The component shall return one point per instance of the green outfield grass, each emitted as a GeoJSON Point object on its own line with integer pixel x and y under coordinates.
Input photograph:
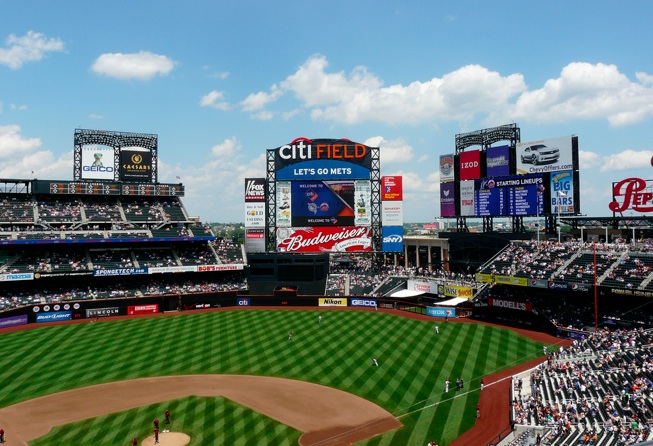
{"type": "Point", "coordinates": [409, 383]}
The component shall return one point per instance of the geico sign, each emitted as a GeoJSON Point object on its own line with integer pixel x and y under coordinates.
{"type": "Point", "coordinates": [97, 169]}
{"type": "Point", "coordinates": [363, 303]}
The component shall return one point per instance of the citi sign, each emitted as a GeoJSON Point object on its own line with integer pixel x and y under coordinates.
{"type": "Point", "coordinates": [303, 149]}
{"type": "Point", "coordinates": [243, 302]}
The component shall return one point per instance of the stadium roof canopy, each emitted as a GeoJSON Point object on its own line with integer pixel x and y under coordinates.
{"type": "Point", "coordinates": [453, 302]}
{"type": "Point", "coordinates": [406, 293]}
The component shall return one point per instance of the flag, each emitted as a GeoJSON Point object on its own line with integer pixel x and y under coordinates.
{"type": "Point", "coordinates": [178, 177]}
{"type": "Point", "coordinates": [32, 172]}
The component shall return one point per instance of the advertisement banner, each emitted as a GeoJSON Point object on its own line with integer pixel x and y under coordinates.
{"type": "Point", "coordinates": [447, 200]}
{"type": "Point", "coordinates": [363, 204]}
{"type": "Point", "coordinates": [392, 213]}
{"type": "Point", "coordinates": [255, 240]}
{"type": "Point", "coordinates": [502, 280]}
{"type": "Point", "coordinates": [446, 168]}
{"type": "Point", "coordinates": [440, 312]}
{"type": "Point", "coordinates": [13, 277]}
{"type": "Point", "coordinates": [254, 190]}
{"type": "Point", "coordinates": [562, 192]}
{"type": "Point", "coordinates": [498, 161]}
{"type": "Point", "coordinates": [467, 198]}
{"type": "Point", "coordinates": [332, 301]}
{"type": "Point", "coordinates": [455, 291]}
{"type": "Point", "coordinates": [119, 272]}
{"type": "Point", "coordinates": [322, 159]}
{"type": "Point", "coordinates": [254, 215]}
{"type": "Point", "coordinates": [323, 203]}
{"type": "Point", "coordinates": [55, 316]}
{"type": "Point", "coordinates": [284, 198]}
{"type": "Point", "coordinates": [538, 283]}
{"type": "Point", "coordinates": [222, 267]}
{"type": "Point", "coordinates": [509, 304]}
{"type": "Point", "coordinates": [243, 302]}
{"type": "Point", "coordinates": [546, 155]}
{"type": "Point", "coordinates": [424, 287]}
{"type": "Point", "coordinates": [97, 163]}
{"type": "Point", "coordinates": [172, 269]}
{"type": "Point", "coordinates": [143, 309]}
{"type": "Point", "coordinates": [324, 239]}
{"type": "Point", "coordinates": [392, 188]}
{"type": "Point", "coordinates": [13, 321]}
{"type": "Point", "coordinates": [392, 239]}
{"type": "Point", "coordinates": [102, 312]}
{"type": "Point", "coordinates": [135, 164]}
{"type": "Point", "coordinates": [470, 165]}
{"type": "Point", "coordinates": [358, 302]}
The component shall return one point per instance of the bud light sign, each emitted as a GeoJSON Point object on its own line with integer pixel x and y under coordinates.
{"type": "Point", "coordinates": [392, 239]}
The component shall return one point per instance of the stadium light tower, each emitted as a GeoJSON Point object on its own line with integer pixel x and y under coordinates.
{"type": "Point", "coordinates": [560, 194]}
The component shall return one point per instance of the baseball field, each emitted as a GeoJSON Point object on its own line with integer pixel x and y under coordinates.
{"type": "Point", "coordinates": [234, 377]}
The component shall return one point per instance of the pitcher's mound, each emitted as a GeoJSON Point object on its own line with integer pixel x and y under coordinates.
{"type": "Point", "coordinates": [168, 439]}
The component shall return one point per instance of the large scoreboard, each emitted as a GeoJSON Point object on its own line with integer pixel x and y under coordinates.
{"type": "Point", "coordinates": [509, 196]}
{"type": "Point", "coordinates": [324, 196]}
{"type": "Point", "coordinates": [527, 179]}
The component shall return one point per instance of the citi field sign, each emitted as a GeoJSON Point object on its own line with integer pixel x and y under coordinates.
{"type": "Point", "coordinates": [322, 159]}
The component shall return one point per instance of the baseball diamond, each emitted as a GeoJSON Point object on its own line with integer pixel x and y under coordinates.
{"type": "Point", "coordinates": [102, 383]}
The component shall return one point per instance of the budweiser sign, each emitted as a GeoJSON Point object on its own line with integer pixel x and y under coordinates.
{"type": "Point", "coordinates": [324, 239]}
{"type": "Point", "coordinates": [632, 193]}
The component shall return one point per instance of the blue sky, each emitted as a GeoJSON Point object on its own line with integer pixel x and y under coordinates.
{"type": "Point", "coordinates": [220, 82]}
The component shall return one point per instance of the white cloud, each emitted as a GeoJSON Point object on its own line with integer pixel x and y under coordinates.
{"type": "Point", "coordinates": [28, 48]}
{"type": "Point", "coordinates": [256, 102]}
{"type": "Point", "coordinates": [214, 99]}
{"type": "Point", "coordinates": [587, 91]}
{"type": "Point", "coordinates": [17, 107]}
{"type": "Point", "coordinates": [582, 91]}
{"type": "Point", "coordinates": [216, 188]}
{"type": "Point", "coordinates": [397, 151]}
{"type": "Point", "coordinates": [12, 143]}
{"type": "Point", "coordinates": [588, 160]}
{"type": "Point", "coordinates": [227, 149]}
{"type": "Point", "coordinates": [142, 65]}
{"type": "Point", "coordinates": [627, 159]}
{"type": "Point", "coordinates": [27, 158]}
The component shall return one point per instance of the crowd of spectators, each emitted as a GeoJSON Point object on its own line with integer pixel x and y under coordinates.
{"type": "Point", "coordinates": [597, 391]}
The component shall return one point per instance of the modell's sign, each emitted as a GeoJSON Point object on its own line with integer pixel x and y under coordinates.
{"type": "Point", "coordinates": [335, 159]}
{"type": "Point", "coordinates": [324, 239]}
{"type": "Point", "coordinates": [632, 194]}
{"type": "Point", "coordinates": [254, 189]}
{"type": "Point", "coordinates": [509, 304]}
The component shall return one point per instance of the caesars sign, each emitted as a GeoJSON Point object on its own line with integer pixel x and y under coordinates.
{"type": "Point", "coordinates": [135, 164]}
{"type": "Point", "coordinates": [322, 159]}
